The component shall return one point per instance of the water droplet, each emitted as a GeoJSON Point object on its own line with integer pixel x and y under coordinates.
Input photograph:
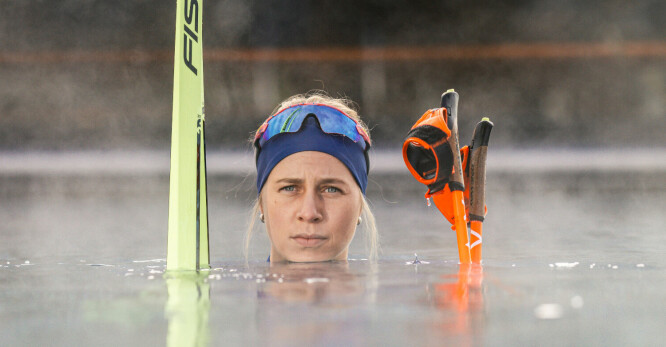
{"type": "Point", "coordinates": [566, 265]}
{"type": "Point", "coordinates": [577, 301]}
{"type": "Point", "coordinates": [549, 311]}
{"type": "Point", "coordinates": [316, 280]}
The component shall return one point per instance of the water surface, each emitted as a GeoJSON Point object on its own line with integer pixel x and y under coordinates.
{"type": "Point", "coordinates": [570, 259]}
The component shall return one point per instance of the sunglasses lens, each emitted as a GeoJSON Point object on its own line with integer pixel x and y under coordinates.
{"type": "Point", "coordinates": [331, 121]}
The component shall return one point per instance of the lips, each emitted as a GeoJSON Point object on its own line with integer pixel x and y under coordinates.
{"type": "Point", "coordinates": [309, 240]}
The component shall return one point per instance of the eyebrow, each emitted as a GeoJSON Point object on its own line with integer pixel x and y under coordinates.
{"type": "Point", "coordinates": [320, 182]}
{"type": "Point", "coordinates": [332, 180]}
{"type": "Point", "coordinates": [289, 180]}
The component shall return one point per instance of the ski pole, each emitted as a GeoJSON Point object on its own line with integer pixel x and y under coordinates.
{"type": "Point", "coordinates": [478, 151]}
{"type": "Point", "coordinates": [456, 180]}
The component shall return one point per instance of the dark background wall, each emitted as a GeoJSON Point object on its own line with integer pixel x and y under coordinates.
{"type": "Point", "coordinates": [98, 74]}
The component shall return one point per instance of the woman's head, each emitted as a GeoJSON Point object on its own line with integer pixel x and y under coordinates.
{"type": "Point", "coordinates": [312, 167]}
{"type": "Point", "coordinates": [311, 206]}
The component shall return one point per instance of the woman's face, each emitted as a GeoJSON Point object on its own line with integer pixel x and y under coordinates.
{"type": "Point", "coordinates": [311, 205]}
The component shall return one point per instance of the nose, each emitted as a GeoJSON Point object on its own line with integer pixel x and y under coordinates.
{"type": "Point", "coordinates": [311, 208]}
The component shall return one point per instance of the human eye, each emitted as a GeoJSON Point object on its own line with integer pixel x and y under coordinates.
{"type": "Point", "coordinates": [290, 188]}
{"type": "Point", "coordinates": [331, 189]}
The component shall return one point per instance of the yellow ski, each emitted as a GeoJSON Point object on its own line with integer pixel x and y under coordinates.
{"type": "Point", "coordinates": [187, 243]}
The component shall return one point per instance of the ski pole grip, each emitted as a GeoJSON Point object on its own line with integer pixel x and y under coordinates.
{"type": "Point", "coordinates": [450, 102]}
{"type": "Point", "coordinates": [477, 174]}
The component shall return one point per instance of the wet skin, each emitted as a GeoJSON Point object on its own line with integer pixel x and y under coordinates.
{"type": "Point", "coordinates": [311, 204]}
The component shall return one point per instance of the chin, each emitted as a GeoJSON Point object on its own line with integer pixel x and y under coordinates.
{"type": "Point", "coordinates": [309, 259]}
{"type": "Point", "coordinates": [303, 257]}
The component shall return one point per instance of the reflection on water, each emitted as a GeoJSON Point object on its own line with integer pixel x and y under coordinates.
{"type": "Point", "coordinates": [312, 283]}
{"type": "Point", "coordinates": [287, 303]}
{"type": "Point", "coordinates": [187, 308]}
{"type": "Point", "coordinates": [461, 294]}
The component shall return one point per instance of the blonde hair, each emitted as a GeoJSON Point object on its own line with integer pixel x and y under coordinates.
{"type": "Point", "coordinates": [368, 219]}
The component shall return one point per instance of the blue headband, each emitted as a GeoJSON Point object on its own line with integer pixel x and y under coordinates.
{"type": "Point", "coordinates": [310, 137]}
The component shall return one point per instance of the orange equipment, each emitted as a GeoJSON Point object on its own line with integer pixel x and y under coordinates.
{"type": "Point", "coordinates": [431, 153]}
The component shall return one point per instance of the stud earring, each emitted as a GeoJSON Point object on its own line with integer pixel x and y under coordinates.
{"type": "Point", "coordinates": [360, 220]}
{"type": "Point", "coordinates": [261, 217]}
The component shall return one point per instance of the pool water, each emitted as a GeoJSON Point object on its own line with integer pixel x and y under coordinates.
{"type": "Point", "coordinates": [569, 259]}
